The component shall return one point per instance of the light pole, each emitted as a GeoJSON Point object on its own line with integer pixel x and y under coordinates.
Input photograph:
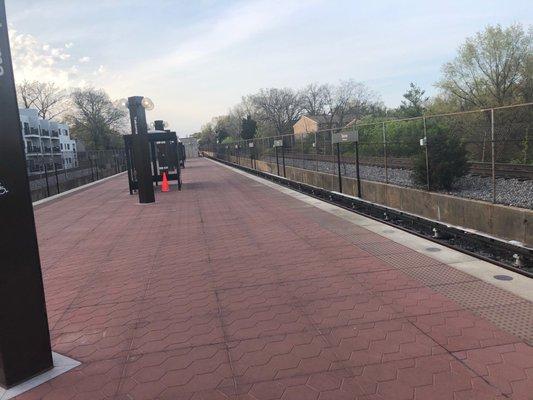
{"type": "Point", "coordinates": [137, 106]}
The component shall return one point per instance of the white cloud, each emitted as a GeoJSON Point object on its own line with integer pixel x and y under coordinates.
{"type": "Point", "coordinates": [69, 45]}
{"type": "Point", "coordinates": [33, 60]}
{"type": "Point", "coordinates": [237, 25]}
{"type": "Point", "coordinates": [84, 60]}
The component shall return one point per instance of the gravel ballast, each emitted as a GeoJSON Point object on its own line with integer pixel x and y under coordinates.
{"type": "Point", "coordinates": [511, 192]}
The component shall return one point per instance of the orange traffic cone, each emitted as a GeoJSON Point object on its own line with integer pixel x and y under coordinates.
{"type": "Point", "coordinates": [164, 187]}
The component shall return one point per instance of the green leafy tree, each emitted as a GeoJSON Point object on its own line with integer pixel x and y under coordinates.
{"type": "Point", "coordinates": [447, 160]}
{"type": "Point", "coordinates": [492, 68]}
{"type": "Point", "coordinates": [414, 103]}
{"type": "Point", "coordinates": [206, 137]}
{"type": "Point", "coordinates": [248, 128]}
{"type": "Point", "coordinates": [221, 134]}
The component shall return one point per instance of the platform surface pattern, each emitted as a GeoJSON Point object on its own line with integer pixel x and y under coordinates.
{"type": "Point", "coordinates": [233, 290]}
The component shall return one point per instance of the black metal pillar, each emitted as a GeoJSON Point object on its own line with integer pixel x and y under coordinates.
{"type": "Point", "coordinates": [141, 150]}
{"type": "Point", "coordinates": [24, 336]}
{"type": "Point", "coordinates": [129, 155]}
{"type": "Point", "coordinates": [339, 165]}
{"type": "Point", "coordinates": [141, 160]}
{"type": "Point", "coordinates": [155, 170]}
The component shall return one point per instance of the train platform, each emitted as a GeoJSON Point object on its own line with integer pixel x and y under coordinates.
{"type": "Point", "coordinates": [236, 288]}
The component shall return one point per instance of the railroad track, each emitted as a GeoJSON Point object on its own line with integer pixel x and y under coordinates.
{"type": "Point", "coordinates": [500, 252]}
{"type": "Point", "coordinates": [502, 170]}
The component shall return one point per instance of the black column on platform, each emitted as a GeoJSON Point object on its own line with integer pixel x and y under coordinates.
{"type": "Point", "coordinates": [24, 336]}
{"type": "Point", "coordinates": [141, 149]}
{"type": "Point", "coordinates": [159, 125]}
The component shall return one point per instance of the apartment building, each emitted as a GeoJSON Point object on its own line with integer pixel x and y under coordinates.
{"type": "Point", "coordinates": [47, 143]}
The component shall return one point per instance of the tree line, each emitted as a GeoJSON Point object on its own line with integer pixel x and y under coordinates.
{"type": "Point", "coordinates": [492, 68]}
{"type": "Point", "coordinates": [89, 112]}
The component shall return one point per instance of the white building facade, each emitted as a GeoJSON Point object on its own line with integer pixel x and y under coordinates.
{"type": "Point", "coordinates": [47, 143]}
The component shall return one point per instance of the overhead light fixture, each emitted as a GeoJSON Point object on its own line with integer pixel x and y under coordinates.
{"type": "Point", "coordinates": [147, 103]}
{"type": "Point", "coordinates": [121, 103]}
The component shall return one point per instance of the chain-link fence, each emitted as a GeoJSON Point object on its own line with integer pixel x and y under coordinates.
{"type": "Point", "coordinates": [483, 154]}
{"type": "Point", "coordinates": [50, 175]}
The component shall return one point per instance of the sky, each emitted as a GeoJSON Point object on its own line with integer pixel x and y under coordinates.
{"type": "Point", "coordinates": [196, 59]}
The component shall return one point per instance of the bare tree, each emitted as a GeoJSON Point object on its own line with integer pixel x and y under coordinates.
{"type": "Point", "coordinates": [315, 98]}
{"type": "Point", "coordinates": [46, 97]}
{"type": "Point", "coordinates": [348, 101]}
{"type": "Point", "coordinates": [95, 119]}
{"type": "Point", "coordinates": [492, 68]}
{"type": "Point", "coordinates": [25, 94]}
{"type": "Point", "coordinates": [278, 108]}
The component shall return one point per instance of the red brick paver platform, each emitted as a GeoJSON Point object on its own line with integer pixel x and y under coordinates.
{"type": "Point", "coordinates": [233, 290]}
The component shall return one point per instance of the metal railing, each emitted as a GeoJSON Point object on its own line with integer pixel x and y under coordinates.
{"type": "Point", "coordinates": [50, 175]}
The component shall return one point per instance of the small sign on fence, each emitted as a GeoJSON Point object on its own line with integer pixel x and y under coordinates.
{"type": "Point", "coordinates": [278, 143]}
{"type": "Point", "coordinates": [343, 137]}
{"type": "Point", "coordinates": [251, 144]}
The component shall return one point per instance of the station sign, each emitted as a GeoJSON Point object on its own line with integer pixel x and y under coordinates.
{"type": "Point", "coordinates": [345, 137]}
{"type": "Point", "coordinates": [278, 143]}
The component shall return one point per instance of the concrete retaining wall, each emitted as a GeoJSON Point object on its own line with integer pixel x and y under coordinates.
{"type": "Point", "coordinates": [510, 223]}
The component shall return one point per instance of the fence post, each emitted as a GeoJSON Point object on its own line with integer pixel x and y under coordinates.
{"type": "Point", "coordinates": [277, 158]}
{"type": "Point", "coordinates": [339, 165]}
{"type": "Point", "coordinates": [385, 154]}
{"type": "Point", "coordinates": [283, 158]}
{"type": "Point", "coordinates": [57, 178]}
{"type": "Point", "coordinates": [357, 168]}
{"type": "Point", "coordinates": [493, 160]}
{"type": "Point", "coordinates": [96, 167]}
{"type": "Point", "coordinates": [427, 153]}
{"type": "Point", "coordinates": [46, 179]}
{"type": "Point", "coordinates": [303, 151]}
{"type": "Point", "coordinates": [91, 164]}
{"type": "Point", "coordinates": [316, 151]}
